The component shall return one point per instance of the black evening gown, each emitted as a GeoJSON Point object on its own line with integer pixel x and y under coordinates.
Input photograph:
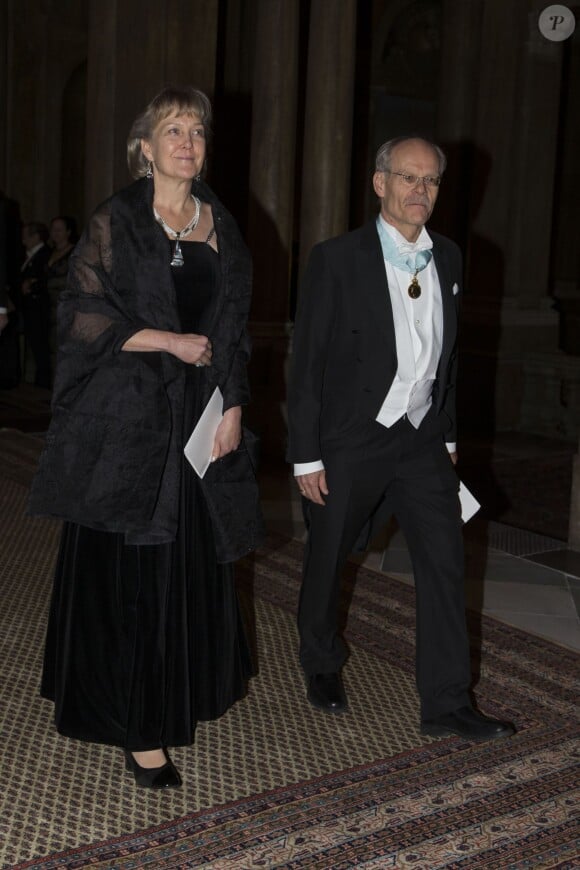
{"type": "Point", "coordinates": [145, 641]}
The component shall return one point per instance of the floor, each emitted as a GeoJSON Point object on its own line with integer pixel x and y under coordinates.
{"type": "Point", "coordinates": [525, 579]}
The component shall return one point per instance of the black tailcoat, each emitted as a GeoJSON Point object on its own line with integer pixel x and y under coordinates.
{"type": "Point", "coordinates": [344, 355]}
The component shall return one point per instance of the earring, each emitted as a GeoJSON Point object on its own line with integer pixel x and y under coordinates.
{"type": "Point", "coordinates": [198, 177]}
{"type": "Point", "coordinates": [149, 171]}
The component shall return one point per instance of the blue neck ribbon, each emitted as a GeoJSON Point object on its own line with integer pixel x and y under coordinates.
{"type": "Point", "coordinates": [413, 263]}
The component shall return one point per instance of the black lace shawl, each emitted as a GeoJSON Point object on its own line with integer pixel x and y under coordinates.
{"type": "Point", "coordinates": [113, 449]}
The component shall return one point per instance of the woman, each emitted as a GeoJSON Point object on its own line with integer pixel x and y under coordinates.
{"type": "Point", "coordinates": [144, 635]}
{"type": "Point", "coordinates": [62, 239]}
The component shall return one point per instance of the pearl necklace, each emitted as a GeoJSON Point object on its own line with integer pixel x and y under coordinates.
{"type": "Point", "coordinates": [177, 259]}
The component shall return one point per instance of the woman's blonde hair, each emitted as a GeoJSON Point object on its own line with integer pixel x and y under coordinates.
{"type": "Point", "coordinates": [181, 101]}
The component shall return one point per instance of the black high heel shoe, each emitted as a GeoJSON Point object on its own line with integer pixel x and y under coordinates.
{"type": "Point", "coordinates": [166, 776]}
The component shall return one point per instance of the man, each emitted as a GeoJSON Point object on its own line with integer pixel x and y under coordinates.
{"type": "Point", "coordinates": [372, 427]}
{"type": "Point", "coordinates": [34, 301]}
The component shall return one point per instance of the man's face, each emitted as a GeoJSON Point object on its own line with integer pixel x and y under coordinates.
{"type": "Point", "coordinates": [405, 205]}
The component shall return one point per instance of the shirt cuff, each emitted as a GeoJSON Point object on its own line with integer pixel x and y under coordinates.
{"type": "Point", "coordinates": [451, 446]}
{"type": "Point", "coordinates": [301, 468]}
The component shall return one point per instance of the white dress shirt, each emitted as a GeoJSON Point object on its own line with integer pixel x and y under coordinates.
{"type": "Point", "coordinates": [418, 335]}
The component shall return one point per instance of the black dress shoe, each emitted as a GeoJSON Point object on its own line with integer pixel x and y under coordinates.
{"type": "Point", "coordinates": [466, 723]}
{"type": "Point", "coordinates": [166, 776]}
{"type": "Point", "coordinates": [326, 692]}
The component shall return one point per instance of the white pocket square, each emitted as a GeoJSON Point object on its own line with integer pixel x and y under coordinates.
{"type": "Point", "coordinates": [455, 289]}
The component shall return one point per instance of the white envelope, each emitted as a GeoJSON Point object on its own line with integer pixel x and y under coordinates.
{"type": "Point", "coordinates": [469, 504]}
{"type": "Point", "coordinates": [199, 447]}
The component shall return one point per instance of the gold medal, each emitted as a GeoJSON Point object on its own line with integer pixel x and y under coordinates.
{"type": "Point", "coordinates": [414, 289]}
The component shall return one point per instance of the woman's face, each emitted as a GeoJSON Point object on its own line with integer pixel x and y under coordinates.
{"type": "Point", "coordinates": [177, 147]}
{"type": "Point", "coordinates": [59, 235]}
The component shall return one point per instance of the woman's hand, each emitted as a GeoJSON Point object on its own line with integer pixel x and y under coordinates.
{"type": "Point", "coordinates": [229, 433]}
{"type": "Point", "coordinates": [191, 348]}
{"type": "Point", "coordinates": [188, 347]}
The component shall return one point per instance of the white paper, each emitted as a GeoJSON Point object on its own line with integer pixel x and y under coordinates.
{"type": "Point", "coordinates": [199, 447]}
{"type": "Point", "coordinates": [469, 504]}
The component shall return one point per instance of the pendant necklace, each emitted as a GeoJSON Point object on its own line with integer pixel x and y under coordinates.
{"type": "Point", "coordinates": [177, 259]}
{"type": "Point", "coordinates": [414, 288]}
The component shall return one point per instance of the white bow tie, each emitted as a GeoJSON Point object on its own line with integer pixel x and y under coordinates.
{"type": "Point", "coordinates": [412, 247]}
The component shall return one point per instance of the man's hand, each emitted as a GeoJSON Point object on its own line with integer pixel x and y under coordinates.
{"type": "Point", "coordinates": [313, 486]}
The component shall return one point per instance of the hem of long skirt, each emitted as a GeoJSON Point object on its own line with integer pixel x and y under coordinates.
{"type": "Point", "coordinates": [85, 737]}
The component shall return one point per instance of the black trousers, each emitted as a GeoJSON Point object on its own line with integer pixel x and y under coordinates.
{"type": "Point", "coordinates": [412, 471]}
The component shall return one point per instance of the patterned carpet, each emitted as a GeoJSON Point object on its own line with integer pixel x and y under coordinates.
{"type": "Point", "coordinates": [275, 783]}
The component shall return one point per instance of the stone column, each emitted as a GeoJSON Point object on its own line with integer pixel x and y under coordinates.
{"type": "Point", "coordinates": [271, 208]}
{"type": "Point", "coordinates": [566, 249]}
{"type": "Point", "coordinates": [508, 313]}
{"type": "Point", "coordinates": [272, 159]}
{"type": "Point", "coordinates": [460, 47]}
{"type": "Point", "coordinates": [457, 111]}
{"type": "Point", "coordinates": [191, 41]}
{"type": "Point", "coordinates": [574, 529]}
{"type": "Point", "coordinates": [100, 133]}
{"type": "Point", "coordinates": [40, 54]}
{"type": "Point", "coordinates": [530, 168]}
{"type": "Point", "coordinates": [528, 290]}
{"type": "Point", "coordinates": [517, 114]}
{"type": "Point", "coordinates": [4, 126]}
{"type": "Point", "coordinates": [566, 252]}
{"type": "Point", "coordinates": [328, 123]}
{"type": "Point", "coordinates": [135, 48]}
{"type": "Point", "coordinates": [503, 31]}
{"type": "Point", "coordinates": [27, 148]}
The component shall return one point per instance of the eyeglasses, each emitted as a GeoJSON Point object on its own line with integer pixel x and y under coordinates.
{"type": "Point", "coordinates": [414, 180]}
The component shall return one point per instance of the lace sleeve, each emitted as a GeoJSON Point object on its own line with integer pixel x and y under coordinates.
{"type": "Point", "coordinates": [92, 318]}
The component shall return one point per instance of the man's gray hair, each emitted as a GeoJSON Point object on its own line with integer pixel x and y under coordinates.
{"type": "Point", "coordinates": [384, 154]}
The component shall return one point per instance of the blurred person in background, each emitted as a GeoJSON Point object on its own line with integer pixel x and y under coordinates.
{"type": "Point", "coordinates": [33, 300]}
